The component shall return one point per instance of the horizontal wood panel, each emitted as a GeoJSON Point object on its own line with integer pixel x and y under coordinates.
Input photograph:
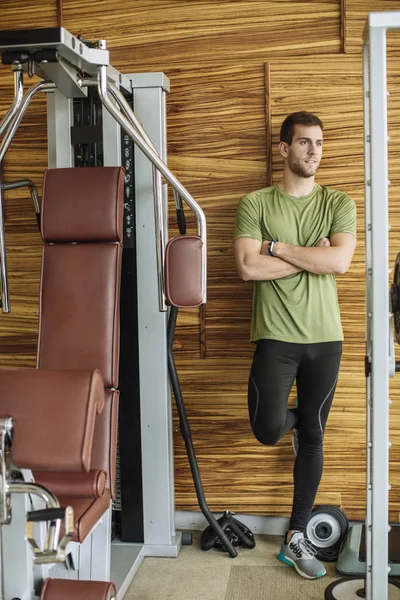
{"type": "Point", "coordinates": [164, 35]}
{"type": "Point", "coordinates": [30, 15]}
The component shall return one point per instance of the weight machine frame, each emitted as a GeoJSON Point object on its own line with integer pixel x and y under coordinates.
{"type": "Point", "coordinates": [380, 363]}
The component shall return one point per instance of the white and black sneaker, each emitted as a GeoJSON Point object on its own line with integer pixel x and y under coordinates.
{"type": "Point", "coordinates": [301, 554]}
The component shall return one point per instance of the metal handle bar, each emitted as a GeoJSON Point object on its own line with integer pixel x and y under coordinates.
{"type": "Point", "coordinates": [18, 93]}
{"type": "Point", "coordinates": [13, 126]}
{"type": "Point", "coordinates": [33, 90]}
{"type": "Point", "coordinates": [159, 164]}
{"type": "Point", "coordinates": [14, 185]}
{"type": "Point", "coordinates": [157, 187]}
{"type": "Point", "coordinates": [157, 193]}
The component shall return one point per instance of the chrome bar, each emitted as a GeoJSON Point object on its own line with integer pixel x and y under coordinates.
{"type": "Point", "coordinates": [44, 86]}
{"type": "Point", "coordinates": [14, 185]}
{"type": "Point", "coordinates": [178, 200]}
{"type": "Point", "coordinates": [160, 165]}
{"type": "Point", "coordinates": [157, 193]}
{"type": "Point", "coordinates": [51, 502]}
{"type": "Point", "coordinates": [14, 123]}
{"type": "Point", "coordinates": [157, 186]}
{"type": "Point", "coordinates": [25, 487]}
{"type": "Point", "coordinates": [5, 296]}
{"type": "Point", "coordinates": [18, 93]}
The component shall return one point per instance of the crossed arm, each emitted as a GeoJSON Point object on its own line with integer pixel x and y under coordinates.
{"type": "Point", "coordinates": [328, 256]}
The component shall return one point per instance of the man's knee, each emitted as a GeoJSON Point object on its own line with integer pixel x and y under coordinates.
{"type": "Point", "coordinates": [312, 438]}
{"type": "Point", "coordinates": [268, 436]}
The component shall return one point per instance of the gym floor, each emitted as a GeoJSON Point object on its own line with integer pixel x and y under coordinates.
{"type": "Point", "coordinates": [254, 575]}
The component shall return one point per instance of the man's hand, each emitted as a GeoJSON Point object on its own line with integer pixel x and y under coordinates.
{"type": "Point", "coordinates": [323, 242]}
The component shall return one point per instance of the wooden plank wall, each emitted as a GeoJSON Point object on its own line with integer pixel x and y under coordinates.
{"type": "Point", "coordinates": [217, 54]}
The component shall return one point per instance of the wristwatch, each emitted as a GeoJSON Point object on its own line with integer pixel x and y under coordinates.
{"type": "Point", "coordinates": [271, 248]}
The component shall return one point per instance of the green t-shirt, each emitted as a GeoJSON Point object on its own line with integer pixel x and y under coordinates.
{"type": "Point", "coordinates": [301, 308]}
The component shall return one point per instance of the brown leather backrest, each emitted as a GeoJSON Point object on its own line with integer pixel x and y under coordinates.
{"type": "Point", "coordinates": [79, 308]}
{"type": "Point", "coordinates": [79, 303]}
{"type": "Point", "coordinates": [82, 212]}
{"type": "Point", "coordinates": [83, 205]}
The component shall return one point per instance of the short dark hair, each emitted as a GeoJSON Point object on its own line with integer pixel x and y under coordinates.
{"type": "Point", "coordinates": [298, 118]}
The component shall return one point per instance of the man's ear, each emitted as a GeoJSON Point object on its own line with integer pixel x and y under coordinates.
{"type": "Point", "coordinates": [283, 149]}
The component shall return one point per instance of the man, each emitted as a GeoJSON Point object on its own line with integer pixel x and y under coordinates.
{"type": "Point", "coordinates": [292, 239]}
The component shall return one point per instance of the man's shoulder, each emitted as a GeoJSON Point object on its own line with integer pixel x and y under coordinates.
{"type": "Point", "coordinates": [334, 195]}
{"type": "Point", "coordinates": [258, 195]}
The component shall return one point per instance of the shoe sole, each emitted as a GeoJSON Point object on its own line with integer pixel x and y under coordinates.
{"type": "Point", "coordinates": [291, 563]}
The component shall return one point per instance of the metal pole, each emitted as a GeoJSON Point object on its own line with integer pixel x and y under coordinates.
{"type": "Point", "coordinates": [5, 297]}
{"type": "Point", "coordinates": [380, 313]}
{"type": "Point", "coordinates": [37, 87]}
{"type": "Point", "coordinates": [18, 92]}
{"type": "Point", "coordinates": [157, 194]}
{"type": "Point", "coordinates": [157, 186]}
{"type": "Point", "coordinates": [368, 269]}
{"type": "Point", "coordinates": [14, 185]}
{"type": "Point", "coordinates": [41, 86]}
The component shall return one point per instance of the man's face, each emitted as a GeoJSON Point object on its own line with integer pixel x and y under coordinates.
{"type": "Point", "coordinates": [305, 152]}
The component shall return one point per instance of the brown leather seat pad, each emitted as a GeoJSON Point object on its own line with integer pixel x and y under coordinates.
{"type": "Point", "coordinates": [54, 414]}
{"type": "Point", "coordinates": [64, 589]}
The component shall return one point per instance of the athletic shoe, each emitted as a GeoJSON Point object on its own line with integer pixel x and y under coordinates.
{"type": "Point", "coordinates": [300, 554]}
{"type": "Point", "coordinates": [295, 441]}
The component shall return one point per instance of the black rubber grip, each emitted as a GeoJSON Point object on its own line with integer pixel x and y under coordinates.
{"type": "Point", "coordinates": [49, 55]}
{"type": "Point", "coordinates": [11, 57]}
{"type": "Point", "coordinates": [46, 514]}
{"type": "Point", "coordinates": [180, 215]}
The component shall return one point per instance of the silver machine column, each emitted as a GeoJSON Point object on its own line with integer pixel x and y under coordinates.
{"type": "Point", "coordinates": [149, 99]}
{"type": "Point", "coordinates": [143, 513]}
{"type": "Point", "coordinates": [380, 364]}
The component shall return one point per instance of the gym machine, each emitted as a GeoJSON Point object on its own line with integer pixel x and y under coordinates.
{"type": "Point", "coordinates": [368, 546]}
{"type": "Point", "coordinates": [94, 113]}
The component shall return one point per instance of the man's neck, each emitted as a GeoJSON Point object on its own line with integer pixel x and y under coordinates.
{"type": "Point", "coordinates": [296, 186]}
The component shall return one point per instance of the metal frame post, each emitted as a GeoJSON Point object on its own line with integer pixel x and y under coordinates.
{"type": "Point", "coordinates": [158, 481]}
{"type": "Point", "coordinates": [380, 314]}
{"type": "Point", "coordinates": [368, 321]}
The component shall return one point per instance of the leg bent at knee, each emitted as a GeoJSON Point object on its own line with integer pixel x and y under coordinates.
{"type": "Point", "coordinates": [268, 434]}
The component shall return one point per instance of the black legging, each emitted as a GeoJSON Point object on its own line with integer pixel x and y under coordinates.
{"type": "Point", "coordinates": [275, 367]}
